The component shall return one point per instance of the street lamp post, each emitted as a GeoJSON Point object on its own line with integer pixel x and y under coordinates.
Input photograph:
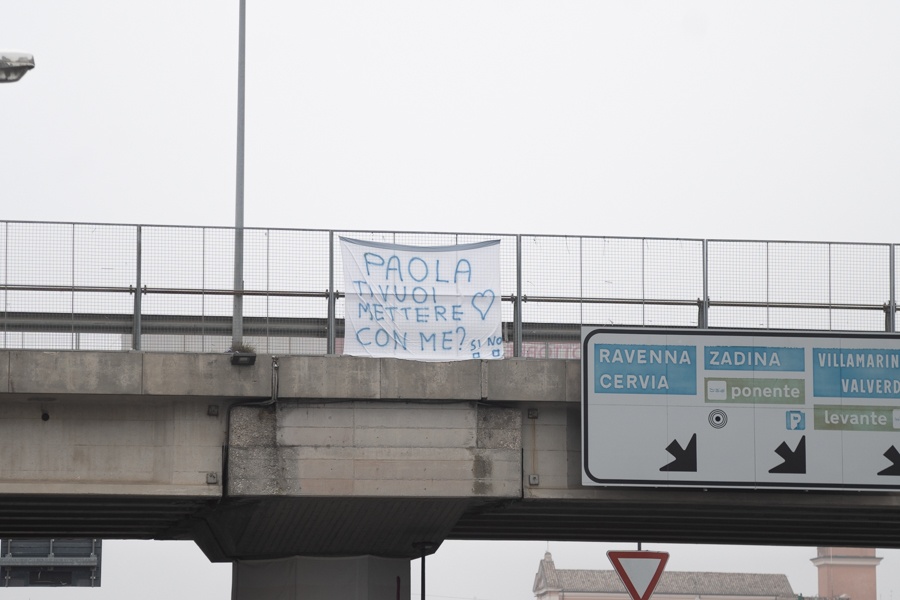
{"type": "Point", "coordinates": [14, 65]}
{"type": "Point", "coordinates": [237, 321]}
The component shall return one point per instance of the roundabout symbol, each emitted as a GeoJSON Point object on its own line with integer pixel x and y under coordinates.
{"type": "Point", "coordinates": [718, 419]}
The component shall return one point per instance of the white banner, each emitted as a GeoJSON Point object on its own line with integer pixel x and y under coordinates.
{"type": "Point", "coordinates": [422, 303]}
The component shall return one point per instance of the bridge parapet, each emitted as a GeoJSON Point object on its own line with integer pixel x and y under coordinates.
{"type": "Point", "coordinates": [30, 372]}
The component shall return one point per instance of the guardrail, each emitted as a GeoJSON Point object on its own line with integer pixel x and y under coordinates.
{"type": "Point", "coordinates": [145, 287]}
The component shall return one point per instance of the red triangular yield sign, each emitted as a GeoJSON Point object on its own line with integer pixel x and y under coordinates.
{"type": "Point", "coordinates": [639, 570]}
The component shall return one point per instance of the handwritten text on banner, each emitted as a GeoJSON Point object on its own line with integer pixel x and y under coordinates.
{"type": "Point", "coordinates": [422, 303]}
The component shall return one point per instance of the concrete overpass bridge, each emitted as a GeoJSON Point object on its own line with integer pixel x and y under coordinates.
{"type": "Point", "coordinates": [127, 419]}
{"type": "Point", "coordinates": [336, 456]}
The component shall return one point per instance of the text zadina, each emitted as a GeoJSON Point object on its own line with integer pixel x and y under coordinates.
{"type": "Point", "coordinates": [739, 358]}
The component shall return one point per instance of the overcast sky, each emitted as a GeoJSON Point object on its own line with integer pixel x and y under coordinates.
{"type": "Point", "coordinates": [677, 119]}
{"type": "Point", "coordinates": [750, 120]}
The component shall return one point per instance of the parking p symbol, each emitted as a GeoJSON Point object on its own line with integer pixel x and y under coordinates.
{"type": "Point", "coordinates": [795, 420]}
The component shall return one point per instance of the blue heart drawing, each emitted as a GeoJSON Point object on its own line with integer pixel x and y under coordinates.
{"type": "Point", "coordinates": [480, 299]}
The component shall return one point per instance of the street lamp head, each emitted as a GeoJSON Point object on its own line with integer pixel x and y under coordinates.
{"type": "Point", "coordinates": [14, 65]}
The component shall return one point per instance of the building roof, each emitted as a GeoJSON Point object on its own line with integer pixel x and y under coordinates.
{"type": "Point", "coordinates": [670, 583]}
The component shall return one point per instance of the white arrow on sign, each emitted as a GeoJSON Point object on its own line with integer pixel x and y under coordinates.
{"type": "Point", "coordinates": [639, 570]}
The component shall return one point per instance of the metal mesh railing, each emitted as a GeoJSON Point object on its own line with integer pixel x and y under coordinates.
{"type": "Point", "coordinates": [82, 286]}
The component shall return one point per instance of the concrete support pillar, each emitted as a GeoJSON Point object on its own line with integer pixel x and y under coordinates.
{"type": "Point", "coordinates": [304, 578]}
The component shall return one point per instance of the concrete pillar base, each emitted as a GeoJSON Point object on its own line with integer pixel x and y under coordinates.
{"type": "Point", "coordinates": [304, 578]}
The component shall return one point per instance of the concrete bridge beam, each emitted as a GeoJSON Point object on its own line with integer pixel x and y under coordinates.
{"type": "Point", "coordinates": [356, 457]}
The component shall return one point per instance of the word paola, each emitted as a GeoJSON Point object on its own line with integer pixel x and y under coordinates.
{"type": "Point", "coordinates": [416, 268]}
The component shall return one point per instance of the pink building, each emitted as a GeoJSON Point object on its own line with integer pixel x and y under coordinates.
{"type": "Point", "coordinates": [847, 573]}
{"type": "Point", "coordinates": [551, 583]}
{"type": "Point", "coordinates": [844, 574]}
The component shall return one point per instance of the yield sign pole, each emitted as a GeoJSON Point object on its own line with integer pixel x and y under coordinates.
{"type": "Point", "coordinates": [639, 571]}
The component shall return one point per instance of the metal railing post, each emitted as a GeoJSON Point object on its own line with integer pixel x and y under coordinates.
{"type": "Point", "coordinates": [517, 302]}
{"type": "Point", "coordinates": [75, 338]}
{"type": "Point", "coordinates": [330, 334]}
{"type": "Point", "coordinates": [4, 310]}
{"type": "Point", "coordinates": [136, 330]}
{"type": "Point", "coordinates": [891, 317]}
{"type": "Point", "coordinates": [703, 319]}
